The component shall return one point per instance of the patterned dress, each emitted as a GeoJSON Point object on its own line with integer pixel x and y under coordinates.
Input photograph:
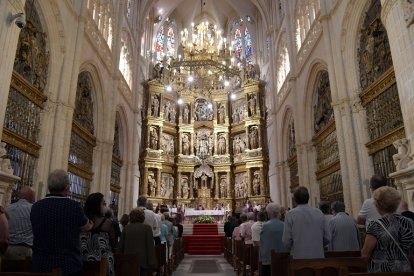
{"type": "Point", "coordinates": [386, 256]}
{"type": "Point", "coordinates": [95, 245]}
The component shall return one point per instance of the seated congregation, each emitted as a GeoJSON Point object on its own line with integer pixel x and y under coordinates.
{"type": "Point", "coordinates": [312, 241]}
{"type": "Point", "coordinates": [55, 235]}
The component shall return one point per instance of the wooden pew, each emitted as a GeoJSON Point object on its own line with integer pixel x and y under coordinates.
{"type": "Point", "coordinates": [254, 260]}
{"type": "Point", "coordinates": [55, 272]}
{"type": "Point", "coordinates": [95, 268]}
{"type": "Point", "coordinates": [381, 274]}
{"type": "Point", "coordinates": [341, 254]}
{"type": "Point", "coordinates": [279, 263]}
{"type": "Point", "coordinates": [326, 266]}
{"type": "Point", "coordinates": [16, 265]}
{"type": "Point", "coordinates": [246, 259]}
{"type": "Point", "coordinates": [161, 254]}
{"type": "Point", "coordinates": [127, 264]}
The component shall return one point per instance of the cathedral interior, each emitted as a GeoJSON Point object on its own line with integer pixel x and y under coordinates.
{"type": "Point", "coordinates": [207, 102]}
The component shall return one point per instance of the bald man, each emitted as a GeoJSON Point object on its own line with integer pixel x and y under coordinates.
{"type": "Point", "coordinates": [20, 227]}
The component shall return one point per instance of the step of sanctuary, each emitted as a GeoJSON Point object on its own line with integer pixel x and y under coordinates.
{"type": "Point", "coordinates": [188, 229]}
{"type": "Point", "coordinates": [204, 239]}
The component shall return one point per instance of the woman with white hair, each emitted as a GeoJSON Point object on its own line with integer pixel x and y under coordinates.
{"type": "Point", "coordinates": [389, 239]}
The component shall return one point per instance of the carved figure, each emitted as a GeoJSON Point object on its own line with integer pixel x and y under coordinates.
{"type": "Point", "coordinates": [154, 139]}
{"type": "Point", "coordinates": [163, 188]}
{"type": "Point", "coordinates": [186, 144]}
{"type": "Point", "coordinates": [223, 188]}
{"type": "Point", "coordinates": [256, 184]}
{"type": "Point", "coordinates": [402, 157]}
{"type": "Point", "coordinates": [221, 147]}
{"type": "Point", "coordinates": [221, 114]}
{"type": "Point", "coordinates": [5, 165]}
{"type": "Point", "coordinates": [203, 145]}
{"type": "Point", "coordinates": [254, 138]}
{"type": "Point", "coordinates": [252, 105]}
{"type": "Point", "coordinates": [185, 188]}
{"type": "Point", "coordinates": [186, 113]}
{"type": "Point", "coordinates": [152, 185]}
{"type": "Point", "coordinates": [155, 104]}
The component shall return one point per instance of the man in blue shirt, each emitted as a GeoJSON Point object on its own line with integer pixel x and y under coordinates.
{"type": "Point", "coordinates": [270, 237]}
{"type": "Point", "coordinates": [20, 228]}
{"type": "Point", "coordinates": [56, 223]}
{"type": "Point", "coordinates": [305, 233]}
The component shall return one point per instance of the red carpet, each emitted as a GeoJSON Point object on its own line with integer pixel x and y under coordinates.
{"type": "Point", "coordinates": [205, 240]}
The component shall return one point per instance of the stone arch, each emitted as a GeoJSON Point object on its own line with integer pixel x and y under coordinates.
{"type": "Point", "coordinates": [287, 115]}
{"type": "Point", "coordinates": [98, 96]}
{"type": "Point", "coordinates": [306, 12]}
{"type": "Point", "coordinates": [283, 65]}
{"type": "Point", "coordinates": [126, 57]}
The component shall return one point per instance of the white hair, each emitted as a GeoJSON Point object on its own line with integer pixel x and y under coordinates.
{"type": "Point", "coordinates": [57, 181]}
{"type": "Point", "coordinates": [273, 210]}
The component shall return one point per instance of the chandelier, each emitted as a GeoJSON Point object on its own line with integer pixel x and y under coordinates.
{"type": "Point", "coordinates": [204, 65]}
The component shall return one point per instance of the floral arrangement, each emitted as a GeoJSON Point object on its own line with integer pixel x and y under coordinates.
{"type": "Point", "coordinates": [204, 219]}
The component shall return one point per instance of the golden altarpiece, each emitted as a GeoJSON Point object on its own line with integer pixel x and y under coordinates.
{"type": "Point", "coordinates": [204, 129]}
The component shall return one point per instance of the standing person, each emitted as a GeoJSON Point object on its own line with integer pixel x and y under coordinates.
{"type": "Point", "coordinates": [246, 229]}
{"type": "Point", "coordinates": [368, 211]}
{"type": "Point", "coordinates": [123, 222]}
{"type": "Point", "coordinates": [4, 231]}
{"type": "Point", "coordinates": [257, 227]}
{"type": "Point", "coordinates": [305, 233]}
{"type": "Point", "coordinates": [229, 227]}
{"type": "Point", "coordinates": [343, 230]}
{"type": "Point", "coordinates": [56, 224]}
{"type": "Point", "coordinates": [157, 232]}
{"type": "Point", "coordinates": [270, 237]}
{"type": "Point", "coordinates": [389, 240]}
{"type": "Point", "coordinates": [137, 238]}
{"type": "Point", "coordinates": [150, 219]}
{"type": "Point", "coordinates": [101, 239]}
{"type": "Point", "coordinates": [170, 233]}
{"type": "Point", "coordinates": [404, 210]}
{"type": "Point", "coordinates": [20, 227]}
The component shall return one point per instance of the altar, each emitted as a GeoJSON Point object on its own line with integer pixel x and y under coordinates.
{"type": "Point", "coordinates": [190, 214]}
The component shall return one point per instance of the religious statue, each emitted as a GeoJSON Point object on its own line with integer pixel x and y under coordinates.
{"type": "Point", "coordinates": [256, 184]}
{"type": "Point", "coordinates": [163, 188]}
{"type": "Point", "coordinates": [186, 113]}
{"type": "Point", "coordinates": [185, 188]}
{"type": "Point", "coordinates": [152, 185]}
{"type": "Point", "coordinates": [402, 157]}
{"type": "Point", "coordinates": [203, 145]}
{"type": "Point", "coordinates": [155, 104]}
{"type": "Point", "coordinates": [221, 114]}
{"type": "Point", "coordinates": [223, 188]}
{"type": "Point", "coordinates": [252, 105]}
{"type": "Point", "coordinates": [154, 139]}
{"type": "Point", "coordinates": [238, 145]}
{"type": "Point", "coordinates": [254, 138]}
{"type": "Point", "coordinates": [186, 144]}
{"type": "Point", "coordinates": [5, 165]}
{"type": "Point", "coordinates": [221, 147]}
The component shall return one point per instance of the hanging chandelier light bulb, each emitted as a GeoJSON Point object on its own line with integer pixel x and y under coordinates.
{"type": "Point", "coordinates": [226, 83]}
{"type": "Point", "coordinates": [180, 101]}
{"type": "Point", "coordinates": [190, 78]}
{"type": "Point", "coordinates": [169, 88]}
{"type": "Point", "coordinates": [232, 96]}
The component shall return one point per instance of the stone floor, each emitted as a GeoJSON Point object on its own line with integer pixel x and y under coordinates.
{"type": "Point", "coordinates": [204, 265]}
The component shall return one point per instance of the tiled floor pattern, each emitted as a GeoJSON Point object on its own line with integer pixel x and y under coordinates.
{"type": "Point", "coordinates": [203, 266]}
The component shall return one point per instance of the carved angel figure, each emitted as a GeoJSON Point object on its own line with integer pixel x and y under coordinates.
{"type": "Point", "coordinates": [402, 157]}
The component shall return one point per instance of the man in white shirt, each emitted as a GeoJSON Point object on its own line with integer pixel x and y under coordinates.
{"type": "Point", "coordinates": [157, 232]}
{"type": "Point", "coordinates": [150, 219]}
{"type": "Point", "coordinates": [257, 228]}
{"type": "Point", "coordinates": [368, 210]}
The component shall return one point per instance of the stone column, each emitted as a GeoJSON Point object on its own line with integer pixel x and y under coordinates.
{"type": "Point", "coordinates": [191, 184]}
{"type": "Point", "coordinates": [249, 182]}
{"type": "Point", "coordinates": [158, 179]}
{"type": "Point", "coordinates": [9, 34]}
{"type": "Point", "coordinates": [179, 195]}
{"type": "Point", "coordinates": [397, 18]}
{"type": "Point", "coordinates": [216, 185]}
{"type": "Point", "coordinates": [229, 189]}
{"type": "Point", "coordinates": [144, 182]}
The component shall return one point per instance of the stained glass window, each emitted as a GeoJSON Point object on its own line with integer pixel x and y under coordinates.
{"type": "Point", "coordinates": [170, 42]}
{"type": "Point", "coordinates": [238, 46]}
{"type": "Point", "coordinates": [159, 46]}
{"type": "Point", "coordinates": [248, 46]}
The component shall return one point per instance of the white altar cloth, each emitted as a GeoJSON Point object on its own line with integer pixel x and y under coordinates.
{"type": "Point", "coordinates": [195, 213]}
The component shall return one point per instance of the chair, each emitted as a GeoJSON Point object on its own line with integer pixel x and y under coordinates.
{"type": "Point", "coordinates": [127, 264]}
{"type": "Point", "coordinates": [55, 272]}
{"type": "Point", "coordinates": [279, 263]}
{"type": "Point", "coordinates": [338, 254]}
{"type": "Point", "coordinates": [16, 265]}
{"type": "Point", "coordinates": [95, 268]}
{"type": "Point", "coordinates": [326, 266]}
